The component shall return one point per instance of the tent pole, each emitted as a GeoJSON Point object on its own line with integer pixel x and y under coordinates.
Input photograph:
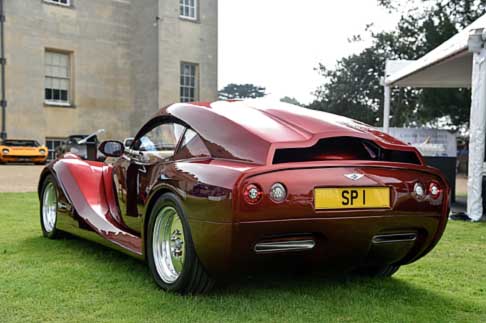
{"type": "Point", "coordinates": [3, 62]}
{"type": "Point", "coordinates": [386, 109]}
{"type": "Point", "coordinates": [477, 129]}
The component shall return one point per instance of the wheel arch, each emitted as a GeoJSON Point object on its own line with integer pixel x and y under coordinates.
{"type": "Point", "coordinates": [45, 172]}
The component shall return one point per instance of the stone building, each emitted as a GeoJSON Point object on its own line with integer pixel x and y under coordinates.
{"type": "Point", "coordinates": [75, 66]}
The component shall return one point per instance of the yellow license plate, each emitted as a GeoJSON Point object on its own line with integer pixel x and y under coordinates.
{"type": "Point", "coordinates": [352, 198]}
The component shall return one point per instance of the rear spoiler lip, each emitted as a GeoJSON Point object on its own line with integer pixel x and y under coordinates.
{"type": "Point", "coordinates": [255, 171]}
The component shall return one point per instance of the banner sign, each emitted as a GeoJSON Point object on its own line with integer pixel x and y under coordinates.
{"type": "Point", "coordinates": [430, 142]}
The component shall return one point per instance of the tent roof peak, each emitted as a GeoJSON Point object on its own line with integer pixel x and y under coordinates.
{"type": "Point", "coordinates": [451, 58]}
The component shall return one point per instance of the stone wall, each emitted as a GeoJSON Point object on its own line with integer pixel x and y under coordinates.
{"type": "Point", "coordinates": [125, 63]}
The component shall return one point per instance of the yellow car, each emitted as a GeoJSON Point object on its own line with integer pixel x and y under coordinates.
{"type": "Point", "coordinates": [20, 151]}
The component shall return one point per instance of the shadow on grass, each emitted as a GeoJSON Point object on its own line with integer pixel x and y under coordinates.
{"type": "Point", "coordinates": [77, 246]}
{"type": "Point", "coordinates": [310, 293]}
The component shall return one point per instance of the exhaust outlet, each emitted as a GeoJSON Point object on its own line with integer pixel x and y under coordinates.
{"type": "Point", "coordinates": [280, 246]}
{"type": "Point", "coordinates": [394, 238]}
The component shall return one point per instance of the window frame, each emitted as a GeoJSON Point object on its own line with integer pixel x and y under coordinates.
{"type": "Point", "coordinates": [196, 10]}
{"type": "Point", "coordinates": [135, 151]}
{"type": "Point", "coordinates": [58, 3]}
{"type": "Point", "coordinates": [53, 151]}
{"type": "Point", "coordinates": [69, 78]}
{"type": "Point", "coordinates": [186, 99]}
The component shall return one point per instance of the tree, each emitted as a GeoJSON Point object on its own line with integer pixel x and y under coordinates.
{"type": "Point", "coordinates": [241, 91]}
{"type": "Point", "coordinates": [352, 88]}
{"type": "Point", "coordinates": [290, 100]}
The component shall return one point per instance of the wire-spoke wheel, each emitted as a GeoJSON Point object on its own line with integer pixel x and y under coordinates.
{"type": "Point", "coordinates": [48, 209]}
{"type": "Point", "coordinates": [170, 251]}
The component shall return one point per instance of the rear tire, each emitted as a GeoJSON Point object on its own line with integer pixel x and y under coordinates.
{"type": "Point", "coordinates": [171, 256]}
{"type": "Point", "coordinates": [48, 208]}
{"type": "Point", "coordinates": [379, 271]}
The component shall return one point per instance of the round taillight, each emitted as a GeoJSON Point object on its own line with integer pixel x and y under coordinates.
{"type": "Point", "coordinates": [419, 190]}
{"type": "Point", "coordinates": [278, 193]}
{"type": "Point", "coordinates": [434, 190]}
{"type": "Point", "coordinates": [252, 194]}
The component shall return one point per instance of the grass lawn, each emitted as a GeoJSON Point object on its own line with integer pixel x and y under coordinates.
{"type": "Point", "coordinates": [77, 281]}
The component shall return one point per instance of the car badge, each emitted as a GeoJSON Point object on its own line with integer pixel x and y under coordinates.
{"type": "Point", "coordinates": [354, 176]}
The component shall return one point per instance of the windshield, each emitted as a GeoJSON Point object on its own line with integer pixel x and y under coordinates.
{"type": "Point", "coordinates": [75, 138]}
{"type": "Point", "coordinates": [21, 143]}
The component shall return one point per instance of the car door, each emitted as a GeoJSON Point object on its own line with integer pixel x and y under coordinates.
{"type": "Point", "coordinates": [141, 166]}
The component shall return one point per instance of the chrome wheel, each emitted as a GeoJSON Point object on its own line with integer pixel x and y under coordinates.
{"type": "Point", "coordinates": [168, 243]}
{"type": "Point", "coordinates": [49, 204]}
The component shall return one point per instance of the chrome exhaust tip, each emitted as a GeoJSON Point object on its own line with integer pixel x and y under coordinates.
{"type": "Point", "coordinates": [281, 246]}
{"type": "Point", "coordinates": [394, 238]}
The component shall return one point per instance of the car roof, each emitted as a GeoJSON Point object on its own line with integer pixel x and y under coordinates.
{"type": "Point", "coordinates": [249, 129]}
{"type": "Point", "coordinates": [19, 140]}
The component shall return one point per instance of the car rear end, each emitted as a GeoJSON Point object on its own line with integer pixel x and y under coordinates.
{"type": "Point", "coordinates": [340, 212]}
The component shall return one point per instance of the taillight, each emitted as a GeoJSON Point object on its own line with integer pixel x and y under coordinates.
{"type": "Point", "coordinates": [278, 193]}
{"type": "Point", "coordinates": [419, 190]}
{"type": "Point", "coordinates": [253, 194]}
{"type": "Point", "coordinates": [434, 190]}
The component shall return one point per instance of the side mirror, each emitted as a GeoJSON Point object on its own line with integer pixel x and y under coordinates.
{"type": "Point", "coordinates": [112, 148]}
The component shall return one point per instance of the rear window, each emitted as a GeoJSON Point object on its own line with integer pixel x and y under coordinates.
{"type": "Point", "coordinates": [343, 148]}
{"type": "Point", "coordinates": [192, 146]}
{"type": "Point", "coordinates": [21, 143]}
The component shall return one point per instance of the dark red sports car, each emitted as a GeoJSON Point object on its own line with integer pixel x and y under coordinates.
{"type": "Point", "coordinates": [208, 190]}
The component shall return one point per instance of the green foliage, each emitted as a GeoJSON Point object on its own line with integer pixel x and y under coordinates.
{"type": "Point", "coordinates": [290, 100]}
{"type": "Point", "coordinates": [241, 91]}
{"type": "Point", "coordinates": [353, 87]}
{"type": "Point", "coordinates": [461, 12]}
{"type": "Point", "coordinates": [73, 280]}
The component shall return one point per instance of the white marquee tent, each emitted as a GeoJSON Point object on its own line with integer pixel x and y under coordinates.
{"type": "Point", "coordinates": [459, 62]}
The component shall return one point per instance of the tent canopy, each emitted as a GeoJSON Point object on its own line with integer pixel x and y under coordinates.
{"type": "Point", "coordinates": [459, 62]}
{"type": "Point", "coordinates": [449, 65]}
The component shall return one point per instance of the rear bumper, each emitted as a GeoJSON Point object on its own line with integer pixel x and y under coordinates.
{"type": "Point", "coordinates": [342, 239]}
{"type": "Point", "coordinates": [340, 244]}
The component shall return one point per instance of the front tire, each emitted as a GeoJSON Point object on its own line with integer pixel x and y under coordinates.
{"type": "Point", "coordinates": [171, 256]}
{"type": "Point", "coordinates": [48, 208]}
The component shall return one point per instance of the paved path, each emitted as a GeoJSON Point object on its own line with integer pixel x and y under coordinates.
{"type": "Point", "coordinates": [19, 178]}
{"type": "Point", "coordinates": [461, 185]}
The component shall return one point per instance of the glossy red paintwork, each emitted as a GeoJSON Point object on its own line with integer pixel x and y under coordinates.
{"type": "Point", "coordinates": [89, 188]}
{"type": "Point", "coordinates": [251, 131]}
{"type": "Point", "coordinates": [242, 138]}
